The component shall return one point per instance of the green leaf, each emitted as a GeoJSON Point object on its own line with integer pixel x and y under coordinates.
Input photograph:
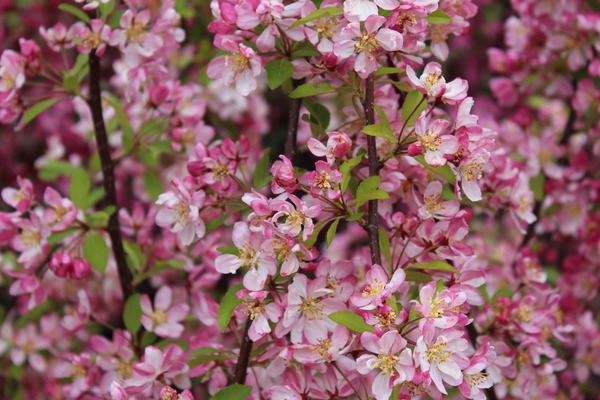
{"type": "Point", "coordinates": [233, 392]}
{"type": "Point", "coordinates": [114, 21]}
{"type": "Point", "coordinates": [305, 49]}
{"type": "Point", "coordinates": [502, 292]}
{"type": "Point", "coordinates": [311, 89]}
{"type": "Point", "coordinates": [537, 186]}
{"type": "Point", "coordinates": [380, 130]}
{"type": "Point", "coordinates": [346, 168]}
{"type": "Point", "coordinates": [331, 231]}
{"type": "Point", "coordinates": [229, 250]}
{"type": "Point", "coordinates": [148, 339]}
{"type": "Point", "coordinates": [415, 276]}
{"type": "Point", "coordinates": [318, 112]}
{"type": "Point", "coordinates": [53, 169]}
{"type": "Point", "coordinates": [323, 12]}
{"type": "Point", "coordinates": [153, 185]}
{"type": "Point", "coordinates": [367, 190]}
{"type": "Point", "coordinates": [351, 321]}
{"type": "Point", "coordinates": [310, 242]}
{"type": "Point", "coordinates": [79, 188]}
{"type": "Point", "coordinates": [128, 134]}
{"type": "Point", "coordinates": [444, 171]}
{"type": "Point", "coordinates": [95, 251]}
{"type": "Point", "coordinates": [278, 71]}
{"type": "Point", "coordinates": [413, 106]}
{"type": "Point", "coordinates": [388, 70]}
{"type": "Point", "coordinates": [75, 11]}
{"type": "Point", "coordinates": [134, 255]}
{"type": "Point", "coordinates": [392, 302]}
{"type": "Point", "coordinates": [434, 265]}
{"type": "Point", "coordinates": [213, 224]}
{"type": "Point", "coordinates": [206, 350]}
{"type": "Point", "coordinates": [16, 372]}
{"type": "Point", "coordinates": [106, 8]}
{"type": "Point", "coordinates": [229, 302]}
{"type": "Point", "coordinates": [132, 314]}
{"type": "Point", "coordinates": [261, 171]}
{"type": "Point", "coordinates": [355, 217]}
{"type": "Point", "coordinates": [384, 245]}
{"type": "Point", "coordinates": [37, 109]}
{"type": "Point", "coordinates": [438, 17]}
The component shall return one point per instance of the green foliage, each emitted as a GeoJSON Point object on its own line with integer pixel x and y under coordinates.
{"type": "Point", "coordinates": [380, 130]}
{"type": "Point", "coordinates": [312, 89]}
{"type": "Point", "coordinates": [79, 188]}
{"type": "Point", "coordinates": [261, 172]}
{"type": "Point", "coordinates": [351, 321]}
{"type": "Point", "coordinates": [444, 171]}
{"type": "Point", "coordinates": [320, 13]}
{"type": "Point", "coordinates": [95, 251]}
{"type": "Point", "coordinates": [37, 109]}
{"type": "Point", "coordinates": [331, 231]}
{"type": "Point", "coordinates": [415, 276]}
{"type": "Point", "coordinates": [384, 245]}
{"type": "Point", "coordinates": [413, 106]}
{"type": "Point", "coordinates": [368, 190]}
{"type": "Point", "coordinates": [434, 265]}
{"type": "Point", "coordinates": [76, 11]}
{"type": "Point", "coordinates": [228, 304]}
{"type": "Point", "coordinates": [278, 71]}
{"type": "Point", "coordinates": [346, 168]}
{"type": "Point", "coordinates": [438, 17]}
{"type": "Point", "coordinates": [132, 314]}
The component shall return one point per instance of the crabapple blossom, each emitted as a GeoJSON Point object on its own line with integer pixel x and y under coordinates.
{"type": "Point", "coordinates": [164, 318]}
{"type": "Point", "coordinates": [242, 66]}
{"type": "Point", "coordinates": [379, 287]}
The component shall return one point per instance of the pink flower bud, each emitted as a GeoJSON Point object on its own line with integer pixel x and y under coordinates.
{"type": "Point", "coordinates": [340, 142]}
{"type": "Point", "coordinates": [81, 269]}
{"type": "Point", "coordinates": [61, 264]}
{"type": "Point", "coordinates": [415, 149]}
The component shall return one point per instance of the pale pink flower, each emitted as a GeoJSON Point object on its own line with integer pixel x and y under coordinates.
{"type": "Point", "coordinates": [391, 357]}
{"type": "Point", "coordinates": [366, 46]}
{"type": "Point", "coordinates": [296, 218]}
{"type": "Point", "coordinates": [241, 66]}
{"type": "Point", "coordinates": [333, 349]}
{"type": "Point", "coordinates": [181, 212]}
{"type": "Point", "coordinates": [156, 369]}
{"type": "Point", "coordinates": [32, 240]}
{"type": "Point", "coordinates": [63, 212]}
{"type": "Point", "coordinates": [259, 264]}
{"type": "Point", "coordinates": [12, 71]}
{"type": "Point", "coordinates": [164, 319]}
{"type": "Point", "coordinates": [474, 379]}
{"type": "Point", "coordinates": [470, 170]}
{"type": "Point", "coordinates": [432, 142]}
{"type": "Point", "coordinates": [431, 82]}
{"type": "Point", "coordinates": [433, 207]}
{"type": "Point", "coordinates": [284, 176]}
{"type": "Point", "coordinates": [325, 181]}
{"type": "Point", "coordinates": [339, 277]}
{"type": "Point", "coordinates": [338, 144]}
{"type": "Point", "coordinates": [134, 34]}
{"type": "Point", "coordinates": [442, 358]}
{"type": "Point", "coordinates": [95, 38]}
{"type": "Point", "coordinates": [21, 199]}
{"type": "Point", "coordinates": [521, 202]}
{"type": "Point", "coordinates": [440, 309]}
{"type": "Point", "coordinates": [259, 311]}
{"type": "Point", "coordinates": [378, 288]}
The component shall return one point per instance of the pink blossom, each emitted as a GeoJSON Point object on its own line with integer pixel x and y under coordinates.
{"type": "Point", "coordinates": [284, 176]}
{"type": "Point", "coordinates": [260, 312]}
{"type": "Point", "coordinates": [158, 366]}
{"type": "Point", "coordinates": [338, 144]}
{"type": "Point", "coordinates": [32, 240]}
{"type": "Point", "coordinates": [12, 71]}
{"type": "Point", "coordinates": [21, 199]}
{"type": "Point", "coordinates": [433, 207]}
{"type": "Point", "coordinates": [325, 181]}
{"type": "Point", "coordinates": [431, 82]}
{"type": "Point", "coordinates": [164, 319]}
{"type": "Point", "coordinates": [392, 359]}
{"type": "Point", "coordinates": [134, 36]}
{"type": "Point", "coordinates": [95, 38]}
{"type": "Point", "coordinates": [241, 66]}
{"type": "Point", "coordinates": [63, 213]}
{"type": "Point", "coordinates": [252, 256]}
{"type": "Point", "coordinates": [366, 46]}
{"type": "Point", "coordinates": [432, 142]}
{"type": "Point", "coordinates": [378, 287]}
{"type": "Point", "coordinates": [62, 264]}
{"type": "Point", "coordinates": [295, 219]}
{"type": "Point", "coordinates": [440, 309]}
{"type": "Point", "coordinates": [181, 212]}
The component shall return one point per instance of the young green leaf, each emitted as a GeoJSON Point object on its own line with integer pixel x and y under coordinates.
{"type": "Point", "coordinates": [413, 106]}
{"type": "Point", "coordinates": [53, 169]}
{"type": "Point", "coordinates": [75, 11]}
{"type": "Point", "coordinates": [444, 171]}
{"type": "Point", "coordinates": [323, 12]}
{"type": "Point", "coordinates": [132, 314]}
{"type": "Point", "coordinates": [228, 304]}
{"type": "Point", "coordinates": [346, 168]}
{"type": "Point", "coordinates": [208, 358]}
{"type": "Point", "coordinates": [331, 231]}
{"type": "Point", "coordinates": [351, 321]}
{"type": "Point", "coordinates": [415, 276]}
{"type": "Point", "coordinates": [95, 251]}
{"type": "Point", "coordinates": [128, 134]}
{"type": "Point", "coordinates": [305, 49]}
{"type": "Point", "coordinates": [438, 17]}
{"type": "Point", "coordinates": [153, 185]}
{"type": "Point", "coordinates": [434, 265]}
{"type": "Point", "coordinates": [384, 245]}
{"type": "Point", "coordinates": [261, 171]}
{"type": "Point", "coordinates": [229, 250]}
{"type": "Point", "coordinates": [388, 70]}
{"type": "Point", "coordinates": [311, 89]}
{"type": "Point", "coordinates": [537, 186]}
{"type": "Point", "coordinates": [318, 112]}
{"type": "Point", "coordinates": [37, 109]}
{"type": "Point", "coordinates": [380, 130]}
{"type": "Point", "coordinates": [79, 188]}
{"type": "Point", "coordinates": [233, 392]}
{"type": "Point", "coordinates": [278, 71]}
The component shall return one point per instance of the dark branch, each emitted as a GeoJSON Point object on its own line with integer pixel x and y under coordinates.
{"type": "Point", "coordinates": [108, 173]}
{"type": "Point", "coordinates": [291, 146]}
{"type": "Point", "coordinates": [241, 368]}
{"type": "Point", "coordinates": [373, 216]}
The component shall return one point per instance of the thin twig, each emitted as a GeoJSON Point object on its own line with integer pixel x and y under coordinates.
{"type": "Point", "coordinates": [241, 368]}
{"type": "Point", "coordinates": [373, 215]}
{"type": "Point", "coordinates": [108, 173]}
{"type": "Point", "coordinates": [291, 147]}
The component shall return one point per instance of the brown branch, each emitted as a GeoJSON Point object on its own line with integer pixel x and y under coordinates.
{"type": "Point", "coordinates": [373, 215]}
{"type": "Point", "coordinates": [241, 368]}
{"type": "Point", "coordinates": [291, 146]}
{"type": "Point", "coordinates": [108, 173]}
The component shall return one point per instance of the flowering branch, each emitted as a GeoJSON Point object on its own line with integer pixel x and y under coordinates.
{"type": "Point", "coordinates": [292, 133]}
{"type": "Point", "coordinates": [108, 173]}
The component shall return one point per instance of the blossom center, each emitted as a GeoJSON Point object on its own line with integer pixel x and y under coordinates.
{"type": "Point", "coordinates": [135, 31]}
{"type": "Point", "coordinates": [405, 20]}
{"type": "Point", "coordinates": [373, 289]}
{"type": "Point", "coordinates": [124, 369]}
{"type": "Point", "coordinates": [438, 353]}
{"type": "Point", "coordinates": [183, 211]}
{"type": "Point", "coordinates": [254, 308]}
{"type": "Point", "coordinates": [246, 257]}
{"type": "Point", "coordinates": [386, 363]}
{"type": "Point", "coordinates": [525, 313]}
{"type": "Point", "coordinates": [432, 203]}
{"type": "Point", "coordinates": [30, 237]}
{"type": "Point", "coordinates": [312, 309]}
{"type": "Point", "coordinates": [431, 140]}
{"type": "Point", "coordinates": [322, 180]}
{"type": "Point", "coordinates": [220, 171]}
{"type": "Point", "coordinates": [475, 379]}
{"type": "Point", "coordinates": [326, 26]}
{"type": "Point", "coordinates": [159, 316]}
{"type": "Point", "coordinates": [91, 40]}
{"type": "Point", "coordinates": [282, 249]}
{"type": "Point", "coordinates": [368, 43]}
{"type": "Point", "coordinates": [322, 348]}
{"type": "Point", "coordinates": [238, 62]}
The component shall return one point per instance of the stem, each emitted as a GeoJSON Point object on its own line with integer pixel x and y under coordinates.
{"type": "Point", "coordinates": [373, 216]}
{"type": "Point", "coordinates": [347, 380]}
{"type": "Point", "coordinates": [241, 368]}
{"type": "Point", "coordinates": [108, 173]}
{"type": "Point", "coordinates": [291, 146]}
